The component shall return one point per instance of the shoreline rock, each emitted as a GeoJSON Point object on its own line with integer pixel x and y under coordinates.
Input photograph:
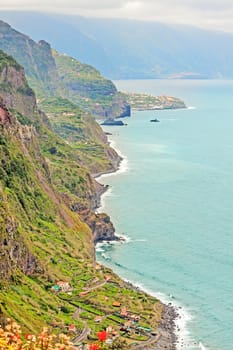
{"type": "Point", "coordinates": [168, 338]}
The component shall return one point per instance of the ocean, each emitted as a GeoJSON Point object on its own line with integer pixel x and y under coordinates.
{"type": "Point", "coordinates": [173, 200]}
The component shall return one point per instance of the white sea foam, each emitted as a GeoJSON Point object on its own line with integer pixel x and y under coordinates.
{"type": "Point", "coordinates": [138, 240]}
{"type": "Point", "coordinates": [191, 107]}
{"type": "Point", "coordinates": [201, 346]}
{"type": "Point", "coordinates": [184, 339]}
{"type": "Point", "coordinates": [123, 167]}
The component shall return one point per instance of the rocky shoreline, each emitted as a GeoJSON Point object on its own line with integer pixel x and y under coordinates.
{"type": "Point", "coordinates": [167, 338]}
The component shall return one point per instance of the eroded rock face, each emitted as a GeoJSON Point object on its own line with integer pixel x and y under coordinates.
{"type": "Point", "coordinates": [14, 254]}
{"type": "Point", "coordinates": [5, 117]}
{"type": "Point", "coordinates": [12, 76]}
{"type": "Point", "coordinates": [18, 95]}
{"type": "Point", "coordinates": [100, 224]}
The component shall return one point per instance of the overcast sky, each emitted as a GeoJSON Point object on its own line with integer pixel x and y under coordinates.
{"type": "Point", "coordinates": [213, 14]}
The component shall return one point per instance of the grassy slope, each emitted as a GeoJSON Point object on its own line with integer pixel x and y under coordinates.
{"type": "Point", "coordinates": [85, 86]}
{"type": "Point", "coordinates": [42, 241]}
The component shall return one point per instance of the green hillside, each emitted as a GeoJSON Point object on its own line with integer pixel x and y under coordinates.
{"type": "Point", "coordinates": [45, 189]}
{"type": "Point", "coordinates": [55, 75]}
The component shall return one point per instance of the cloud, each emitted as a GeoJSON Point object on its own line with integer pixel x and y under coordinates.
{"type": "Point", "coordinates": [216, 14]}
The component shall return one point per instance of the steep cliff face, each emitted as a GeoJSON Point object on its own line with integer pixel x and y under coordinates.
{"type": "Point", "coordinates": [36, 225]}
{"type": "Point", "coordinates": [62, 76]}
{"type": "Point", "coordinates": [15, 90]}
{"type": "Point", "coordinates": [100, 225]}
{"type": "Point", "coordinates": [15, 254]}
{"type": "Point", "coordinates": [65, 180]}
{"type": "Point", "coordinates": [36, 58]}
{"type": "Point", "coordinates": [85, 86]}
{"type": "Point", "coordinates": [47, 227]}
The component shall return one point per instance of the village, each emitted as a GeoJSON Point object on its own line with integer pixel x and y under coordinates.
{"type": "Point", "coordinates": [113, 318]}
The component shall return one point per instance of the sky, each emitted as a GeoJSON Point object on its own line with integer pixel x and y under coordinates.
{"type": "Point", "coordinates": [210, 14]}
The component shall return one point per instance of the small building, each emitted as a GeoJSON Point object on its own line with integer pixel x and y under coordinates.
{"type": "Point", "coordinates": [72, 328]}
{"type": "Point", "coordinates": [97, 267]}
{"type": "Point", "coordinates": [55, 288]}
{"type": "Point", "coordinates": [98, 319]}
{"type": "Point", "coordinates": [135, 318]}
{"type": "Point", "coordinates": [107, 277]}
{"type": "Point", "coordinates": [128, 324]}
{"type": "Point", "coordinates": [109, 329]}
{"type": "Point", "coordinates": [124, 312]}
{"type": "Point", "coordinates": [64, 286]}
{"type": "Point", "coordinates": [111, 332]}
{"type": "Point", "coordinates": [116, 304]}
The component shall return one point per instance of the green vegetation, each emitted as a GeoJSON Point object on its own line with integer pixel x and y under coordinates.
{"type": "Point", "coordinates": [85, 86]}
{"type": "Point", "coordinates": [6, 61]}
{"type": "Point", "coordinates": [51, 74]}
{"type": "Point", "coordinates": [44, 242]}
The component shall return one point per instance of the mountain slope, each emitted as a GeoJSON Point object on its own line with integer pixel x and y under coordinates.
{"type": "Point", "coordinates": [62, 76]}
{"type": "Point", "coordinates": [45, 246]}
{"type": "Point", "coordinates": [135, 49]}
{"type": "Point", "coordinates": [87, 88]}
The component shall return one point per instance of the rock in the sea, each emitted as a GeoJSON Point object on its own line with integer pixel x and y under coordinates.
{"type": "Point", "coordinates": [111, 122]}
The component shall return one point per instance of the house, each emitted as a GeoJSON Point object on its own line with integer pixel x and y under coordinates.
{"type": "Point", "coordinates": [128, 324]}
{"type": "Point", "coordinates": [111, 332]}
{"type": "Point", "coordinates": [107, 277]}
{"type": "Point", "coordinates": [109, 329]}
{"type": "Point", "coordinates": [55, 288]}
{"type": "Point", "coordinates": [135, 318]}
{"type": "Point", "coordinates": [116, 304]}
{"type": "Point", "coordinates": [64, 286]}
{"type": "Point", "coordinates": [98, 319]}
{"type": "Point", "coordinates": [124, 312]}
{"type": "Point", "coordinates": [72, 328]}
{"type": "Point", "coordinates": [97, 267]}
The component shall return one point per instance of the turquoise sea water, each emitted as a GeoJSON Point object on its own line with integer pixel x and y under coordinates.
{"type": "Point", "coordinates": [175, 203]}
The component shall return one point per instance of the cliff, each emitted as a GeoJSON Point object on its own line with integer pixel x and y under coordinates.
{"type": "Point", "coordinates": [45, 194]}
{"type": "Point", "coordinates": [85, 86]}
{"type": "Point", "coordinates": [35, 57]}
{"type": "Point", "coordinates": [53, 74]}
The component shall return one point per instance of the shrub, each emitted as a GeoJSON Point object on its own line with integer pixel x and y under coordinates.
{"type": "Point", "coordinates": [11, 338]}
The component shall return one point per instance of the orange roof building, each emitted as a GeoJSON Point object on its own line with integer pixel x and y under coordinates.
{"type": "Point", "coordinates": [116, 304]}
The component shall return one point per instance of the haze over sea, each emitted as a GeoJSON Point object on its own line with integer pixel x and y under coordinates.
{"type": "Point", "coordinates": [175, 202]}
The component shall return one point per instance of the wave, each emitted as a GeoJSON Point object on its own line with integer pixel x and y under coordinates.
{"type": "Point", "coordinates": [123, 168]}
{"type": "Point", "coordinates": [185, 341]}
{"type": "Point", "coordinates": [191, 107]}
{"type": "Point", "coordinates": [184, 338]}
{"type": "Point", "coordinates": [106, 257]}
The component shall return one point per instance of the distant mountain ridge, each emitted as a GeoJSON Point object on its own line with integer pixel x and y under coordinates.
{"type": "Point", "coordinates": [129, 49]}
{"type": "Point", "coordinates": [53, 74]}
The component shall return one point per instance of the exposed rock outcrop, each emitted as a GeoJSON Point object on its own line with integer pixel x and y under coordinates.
{"type": "Point", "coordinates": [100, 224]}
{"type": "Point", "coordinates": [5, 117]}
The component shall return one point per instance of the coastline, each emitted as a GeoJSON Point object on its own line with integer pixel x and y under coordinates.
{"type": "Point", "coordinates": [169, 337]}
